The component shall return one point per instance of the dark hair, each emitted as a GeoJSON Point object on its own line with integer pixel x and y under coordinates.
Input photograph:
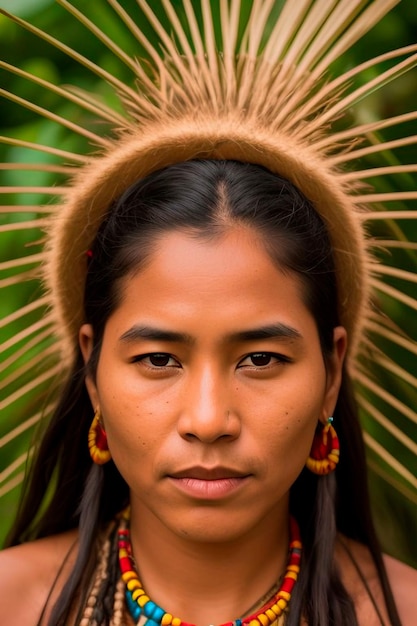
{"type": "Point", "coordinates": [206, 198]}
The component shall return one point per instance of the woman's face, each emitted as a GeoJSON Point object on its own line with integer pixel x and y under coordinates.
{"type": "Point", "coordinates": [210, 383]}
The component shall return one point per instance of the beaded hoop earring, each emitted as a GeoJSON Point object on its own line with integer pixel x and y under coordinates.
{"type": "Point", "coordinates": [97, 441]}
{"type": "Point", "coordinates": [325, 450]}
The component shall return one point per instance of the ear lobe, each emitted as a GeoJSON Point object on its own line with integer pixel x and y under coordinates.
{"type": "Point", "coordinates": [86, 341]}
{"type": "Point", "coordinates": [335, 371]}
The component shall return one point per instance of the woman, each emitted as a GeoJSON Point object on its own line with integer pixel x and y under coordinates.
{"type": "Point", "coordinates": [213, 348]}
{"type": "Point", "coordinates": [207, 312]}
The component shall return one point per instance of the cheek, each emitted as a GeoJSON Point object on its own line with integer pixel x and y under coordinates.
{"type": "Point", "coordinates": [133, 443]}
{"type": "Point", "coordinates": [125, 418]}
{"type": "Point", "coordinates": [289, 436]}
{"type": "Point", "coordinates": [285, 446]}
{"type": "Point", "coordinates": [129, 427]}
{"type": "Point", "coordinates": [288, 416]}
{"type": "Point", "coordinates": [296, 397]}
{"type": "Point", "coordinates": [138, 421]}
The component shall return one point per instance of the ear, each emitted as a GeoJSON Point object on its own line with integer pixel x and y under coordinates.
{"type": "Point", "coordinates": [86, 341]}
{"type": "Point", "coordinates": [334, 372]}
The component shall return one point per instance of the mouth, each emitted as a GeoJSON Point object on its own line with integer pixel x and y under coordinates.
{"type": "Point", "coordinates": [209, 473]}
{"type": "Point", "coordinates": [209, 483]}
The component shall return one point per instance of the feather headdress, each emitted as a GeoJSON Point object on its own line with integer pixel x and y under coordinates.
{"type": "Point", "coordinates": [236, 80]}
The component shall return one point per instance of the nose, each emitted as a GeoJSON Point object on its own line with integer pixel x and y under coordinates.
{"type": "Point", "coordinates": [207, 413]}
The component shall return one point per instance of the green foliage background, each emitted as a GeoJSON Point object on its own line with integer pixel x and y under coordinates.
{"type": "Point", "coordinates": [395, 511]}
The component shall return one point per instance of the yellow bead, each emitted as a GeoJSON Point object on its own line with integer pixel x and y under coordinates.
{"type": "Point", "coordinates": [176, 621]}
{"type": "Point", "coordinates": [129, 576]}
{"type": "Point", "coordinates": [293, 568]}
{"type": "Point", "coordinates": [166, 619]}
{"type": "Point", "coordinates": [282, 603]}
{"type": "Point", "coordinates": [277, 609]}
{"type": "Point", "coordinates": [271, 615]}
{"type": "Point", "coordinates": [285, 595]}
{"type": "Point", "coordinates": [263, 619]}
{"type": "Point", "coordinates": [254, 622]}
{"type": "Point", "coordinates": [137, 593]}
{"type": "Point", "coordinates": [133, 583]}
{"type": "Point", "coordinates": [142, 600]}
{"type": "Point", "coordinates": [296, 544]}
{"type": "Point", "coordinates": [292, 575]}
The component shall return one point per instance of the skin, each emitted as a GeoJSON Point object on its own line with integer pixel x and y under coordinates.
{"type": "Point", "coordinates": [208, 403]}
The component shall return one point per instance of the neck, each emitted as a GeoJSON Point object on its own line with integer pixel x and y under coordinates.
{"type": "Point", "coordinates": [209, 582]}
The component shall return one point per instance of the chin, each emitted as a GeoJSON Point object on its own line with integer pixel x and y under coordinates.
{"type": "Point", "coordinates": [213, 526]}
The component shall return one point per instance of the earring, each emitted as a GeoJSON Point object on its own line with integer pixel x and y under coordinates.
{"type": "Point", "coordinates": [97, 441]}
{"type": "Point", "coordinates": [325, 449]}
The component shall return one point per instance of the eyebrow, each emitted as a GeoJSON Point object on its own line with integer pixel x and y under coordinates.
{"type": "Point", "coordinates": [270, 331]}
{"type": "Point", "coordinates": [156, 334]}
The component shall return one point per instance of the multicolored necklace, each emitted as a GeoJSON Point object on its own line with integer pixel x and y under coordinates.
{"type": "Point", "coordinates": [140, 605]}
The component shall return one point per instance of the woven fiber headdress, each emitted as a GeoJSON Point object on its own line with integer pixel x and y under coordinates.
{"type": "Point", "coordinates": [249, 81]}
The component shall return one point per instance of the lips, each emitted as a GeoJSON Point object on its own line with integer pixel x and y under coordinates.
{"type": "Point", "coordinates": [205, 473]}
{"type": "Point", "coordinates": [203, 483]}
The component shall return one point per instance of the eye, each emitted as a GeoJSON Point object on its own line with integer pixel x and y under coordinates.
{"type": "Point", "coordinates": [157, 360]}
{"type": "Point", "coordinates": [263, 360]}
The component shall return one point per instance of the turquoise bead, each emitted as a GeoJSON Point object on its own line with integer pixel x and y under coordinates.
{"type": "Point", "coordinates": [134, 608]}
{"type": "Point", "coordinates": [158, 614]}
{"type": "Point", "coordinates": [153, 611]}
{"type": "Point", "coordinates": [149, 609]}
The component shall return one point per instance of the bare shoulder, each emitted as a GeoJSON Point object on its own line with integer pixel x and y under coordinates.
{"type": "Point", "coordinates": [403, 580]}
{"type": "Point", "coordinates": [29, 571]}
{"type": "Point", "coordinates": [361, 579]}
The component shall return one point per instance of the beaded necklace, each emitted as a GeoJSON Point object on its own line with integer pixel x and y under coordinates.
{"type": "Point", "coordinates": [140, 605]}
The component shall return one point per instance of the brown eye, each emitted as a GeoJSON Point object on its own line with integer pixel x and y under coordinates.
{"type": "Point", "coordinates": [154, 361]}
{"type": "Point", "coordinates": [260, 359]}
{"type": "Point", "coordinates": [159, 360]}
{"type": "Point", "coordinates": [263, 360]}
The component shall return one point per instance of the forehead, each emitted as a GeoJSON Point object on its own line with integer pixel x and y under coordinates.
{"type": "Point", "coordinates": [227, 281]}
